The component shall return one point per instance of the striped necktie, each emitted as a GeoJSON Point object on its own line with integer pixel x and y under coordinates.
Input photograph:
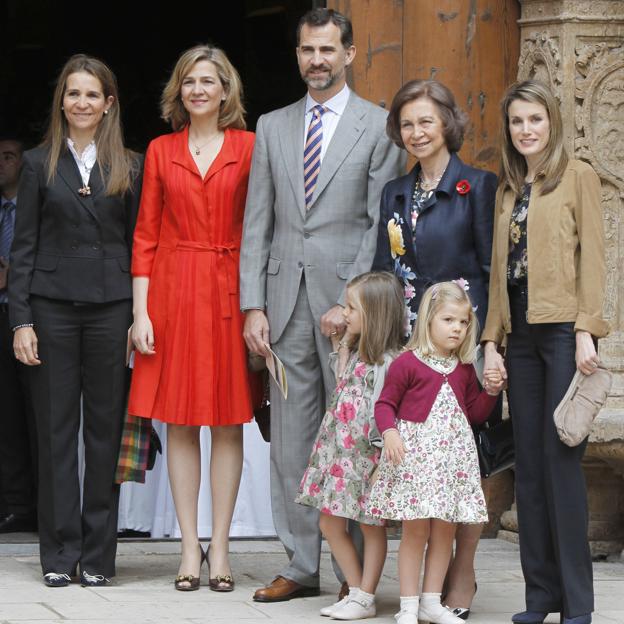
{"type": "Point", "coordinates": [6, 229]}
{"type": "Point", "coordinates": [312, 153]}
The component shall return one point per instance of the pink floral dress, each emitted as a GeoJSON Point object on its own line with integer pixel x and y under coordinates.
{"type": "Point", "coordinates": [343, 458]}
{"type": "Point", "coordinates": [439, 476]}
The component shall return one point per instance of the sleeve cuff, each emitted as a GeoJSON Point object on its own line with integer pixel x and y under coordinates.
{"type": "Point", "coordinates": [595, 326]}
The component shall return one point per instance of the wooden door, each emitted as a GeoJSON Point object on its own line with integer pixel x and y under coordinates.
{"type": "Point", "coordinates": [472, 46]}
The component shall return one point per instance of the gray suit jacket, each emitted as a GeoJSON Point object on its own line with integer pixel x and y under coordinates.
{"type": "Point", "coordinates": [335, 239]}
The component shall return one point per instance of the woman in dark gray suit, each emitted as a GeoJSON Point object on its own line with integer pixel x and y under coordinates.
{"type": "Point", "coordinates": [70, 308]}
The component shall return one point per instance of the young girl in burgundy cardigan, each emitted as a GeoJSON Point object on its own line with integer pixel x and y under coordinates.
{"type": "Point", "coordinates": [429, 475]}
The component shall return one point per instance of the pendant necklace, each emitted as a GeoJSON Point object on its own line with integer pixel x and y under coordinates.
{"type": "Point", "coordinates": [85, 190]}
{"type": "Point", "coordinates": [199, 148]}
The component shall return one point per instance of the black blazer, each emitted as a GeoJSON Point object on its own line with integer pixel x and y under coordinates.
{"type": "Point", "coordinates": [453, 234]}
{"type": "Point", "coordinates": [67, 246]}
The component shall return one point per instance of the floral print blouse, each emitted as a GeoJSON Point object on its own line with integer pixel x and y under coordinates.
{"type": "Point", "coordinates": [517, 264]}
{"type": "Point", "coordinates": [419, 198]}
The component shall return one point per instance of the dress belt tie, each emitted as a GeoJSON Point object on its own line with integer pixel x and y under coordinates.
{"type": "Point", "coordinates": [226, 275]}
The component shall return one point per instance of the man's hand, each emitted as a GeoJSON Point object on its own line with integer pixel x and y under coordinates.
{"type": "Point", "coordinates": [256, 332]}
{"type": "Point", "coordinates": [332, 322]}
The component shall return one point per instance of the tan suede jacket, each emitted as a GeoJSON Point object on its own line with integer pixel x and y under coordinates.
{"type": "Point", "coordinates": [565, 247]}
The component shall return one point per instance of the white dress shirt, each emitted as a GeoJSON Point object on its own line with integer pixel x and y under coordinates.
{"type": "Point", "coordinates": [86, 161]}
{"type": "Point", "coordinates": [335, 108]}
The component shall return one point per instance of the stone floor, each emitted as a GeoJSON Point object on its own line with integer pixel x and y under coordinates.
{"type": "Point", "coordinates": [142, 592]}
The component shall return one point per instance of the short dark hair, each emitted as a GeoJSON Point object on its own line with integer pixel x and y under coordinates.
{"type": "Point", "coordinates": [11, 139]}
{"type": "Point", "coordinates": [454, 120]}
{"type": "Point", "coordinates": [320, 17]}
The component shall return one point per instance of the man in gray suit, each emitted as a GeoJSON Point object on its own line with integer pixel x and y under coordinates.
{"type": "Point", "coordinates": [318, 169]}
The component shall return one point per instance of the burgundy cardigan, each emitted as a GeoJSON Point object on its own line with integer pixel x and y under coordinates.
{"type": "Point", "coordinates": [411, 388]}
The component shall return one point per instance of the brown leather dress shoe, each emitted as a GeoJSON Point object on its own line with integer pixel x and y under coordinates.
{"type": "Point", "coordinates": [282, 589]}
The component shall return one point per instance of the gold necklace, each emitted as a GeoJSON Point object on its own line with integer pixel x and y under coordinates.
{"type": "Point", "coordinates": [428, 185]}
{"type": "Point", "coordinates": [199, 148]}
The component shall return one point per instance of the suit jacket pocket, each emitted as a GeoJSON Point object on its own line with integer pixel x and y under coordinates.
{"type": "Point", "coordinates": [273, 266]}
{"type": "Point", "coordinates": [45, 262]}
{"type": "Point", "coordinates": [343, 269]}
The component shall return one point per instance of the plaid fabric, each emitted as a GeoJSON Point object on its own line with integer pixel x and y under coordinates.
{"type": "Point", "coordinates": [134, 450]}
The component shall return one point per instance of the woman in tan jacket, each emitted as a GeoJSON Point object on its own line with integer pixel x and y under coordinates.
{"type": "Point", "coordinates": [546, 294]}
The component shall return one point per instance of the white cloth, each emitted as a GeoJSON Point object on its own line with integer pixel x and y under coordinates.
{"type": "Point", "coordinates": [149, 506]}
{"type": "Point", "coordinates": [86, 161]}
{"type": "Point", "coordinates": [335, 107]}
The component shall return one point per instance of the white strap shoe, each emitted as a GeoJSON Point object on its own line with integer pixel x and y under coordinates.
{"type": "Point", "coordinates": [355, 609]}
{"type": "Point", "coordinates": [406, 617]}
{"type": "Point", "coordinates": [328, 611]}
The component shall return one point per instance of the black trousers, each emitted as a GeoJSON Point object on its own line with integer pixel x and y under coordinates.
{"type": "Point", "coordinates": [82, 349]}
{"type": "Point", "coordinates": [18, 438]}
{"type": "Point", "coordinates": [550, 486]}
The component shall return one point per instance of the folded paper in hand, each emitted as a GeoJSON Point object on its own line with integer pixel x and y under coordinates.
{"type": "Point", "coordinates": [277, 371]}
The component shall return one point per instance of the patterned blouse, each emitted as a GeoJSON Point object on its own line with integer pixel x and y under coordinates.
{"type": "Point", "coordinates": [517, 264]}
{"type": "Point", "coordinates": [419, 198]}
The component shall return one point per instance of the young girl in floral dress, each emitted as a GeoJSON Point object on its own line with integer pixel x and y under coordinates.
{"type": "Point", "coordinates": [337, 480]}
{"type": "Point", "coordinates": [429, 475]}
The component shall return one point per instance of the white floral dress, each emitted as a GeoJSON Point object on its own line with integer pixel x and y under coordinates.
{"type": "Point", "coordinates": [439, 476]}
{"type": "Point", "coordinates": [343, 458]}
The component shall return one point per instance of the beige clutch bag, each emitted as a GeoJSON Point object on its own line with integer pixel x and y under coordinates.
{"type": "Point", "coordinates": [580, 405]}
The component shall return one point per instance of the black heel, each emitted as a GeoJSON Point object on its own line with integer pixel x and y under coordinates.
{"type": "Point", "coordinates": [461, 612]}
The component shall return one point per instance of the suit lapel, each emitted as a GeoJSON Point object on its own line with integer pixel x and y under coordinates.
{"type": "Point", "coordinates": [96, 183]}
{"type": "Point", "coordinates": [69, 173]}
{"type": "Point", "coordinates": [291, 143]}
{"type": "Point", "coordinates": [348, 132]}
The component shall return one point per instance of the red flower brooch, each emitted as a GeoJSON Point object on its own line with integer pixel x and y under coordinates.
{"type": "Point", "coordinates": [462, 187]}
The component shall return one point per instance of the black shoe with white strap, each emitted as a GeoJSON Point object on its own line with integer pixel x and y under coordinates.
{"type": "Point", "coordinates": [93, 580]}
{"type": "Point", "coordinates": [52, 579]}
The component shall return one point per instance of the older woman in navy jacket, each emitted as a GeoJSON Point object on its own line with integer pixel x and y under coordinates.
{"type": "Point", "coordinates": [436, 222]}
{"type": "Point", "coordinates": [436, 225]}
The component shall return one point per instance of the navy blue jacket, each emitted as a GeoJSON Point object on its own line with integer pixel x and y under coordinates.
{"type": "Point", "coordinates": [453, 236]}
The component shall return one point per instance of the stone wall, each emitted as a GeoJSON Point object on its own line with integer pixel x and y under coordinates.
{"type": "Point", "coordinates": [577, 47]}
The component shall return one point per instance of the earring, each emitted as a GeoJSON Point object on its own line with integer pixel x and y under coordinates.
{"type": "Point", "coordinates": [62, 108]}
{"type": "Point", "coordinates": [106, 112]}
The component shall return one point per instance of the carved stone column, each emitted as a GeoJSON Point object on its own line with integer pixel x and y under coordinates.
{"type": "Point", "coordinates": [577, 47]}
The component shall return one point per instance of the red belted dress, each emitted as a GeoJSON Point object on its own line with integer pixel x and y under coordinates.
{"type": "Point", "coordinates": [187, 242]}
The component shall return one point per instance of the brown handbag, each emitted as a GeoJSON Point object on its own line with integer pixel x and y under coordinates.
{"type": "Point", "coordinates": [579, 407]}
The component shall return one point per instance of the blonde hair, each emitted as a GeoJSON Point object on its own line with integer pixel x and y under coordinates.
{"type": "Point", "coordinates": [118, 166]}
{"type": "Point", "coordinates": [380, 300]}
{"type": "Point", "coordinates": [231, 112]}
{"type": "Point", "coordinates": [433, 299]}
{"type": "Point", "coordinates": [554, 159]}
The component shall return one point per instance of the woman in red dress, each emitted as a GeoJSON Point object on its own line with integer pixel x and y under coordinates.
{"type": "Point", "coordinates": [190, 369]}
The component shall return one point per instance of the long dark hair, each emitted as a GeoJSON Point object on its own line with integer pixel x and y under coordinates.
{"type": "Point", "coordinates": [554, 159]}
{"type": "Point", "coordinates": [117, 164]}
